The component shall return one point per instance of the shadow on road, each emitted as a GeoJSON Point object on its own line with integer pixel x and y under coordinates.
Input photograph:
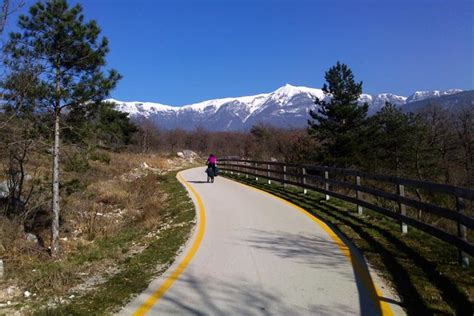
{"type": "Point", "coordinates": [394, 253]}
{"type": "Point", "coordinates": [301, 248]}
{"type": "Point", "coordinates": [321, 253]}
{"type": "Point", "coordinates": [210, 295]}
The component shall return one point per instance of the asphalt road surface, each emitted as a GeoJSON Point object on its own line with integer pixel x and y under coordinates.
{"type": "Point", "coordinates": [255, 254]}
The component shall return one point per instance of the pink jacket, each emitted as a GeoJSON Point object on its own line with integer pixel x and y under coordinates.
{"type": "Point", "coordinates": [212, 159]}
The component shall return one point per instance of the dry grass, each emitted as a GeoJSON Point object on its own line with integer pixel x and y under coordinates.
{"type": "Point", "coordinates": [108, 192]}
{"type": "Point", "coordinates": [99, 205]}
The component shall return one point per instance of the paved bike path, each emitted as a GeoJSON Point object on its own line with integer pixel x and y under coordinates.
{"type": "Point", "coordinates": [255, 254]}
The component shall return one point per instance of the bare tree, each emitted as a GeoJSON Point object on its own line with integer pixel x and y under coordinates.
{"type": "Point", "coordinates": [4, 14]}
{"type": "Point", "coordinates": [7, 8]}
{"type": "Point", "coordinates": [148, 136]}
{"type": "Point", "coordinates": [465, 131]}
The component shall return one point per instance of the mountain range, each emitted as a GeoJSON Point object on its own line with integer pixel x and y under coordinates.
{"type": "Point", "coordinates": [286, 107]}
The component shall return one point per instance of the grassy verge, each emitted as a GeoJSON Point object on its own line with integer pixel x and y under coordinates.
{"type": "Point", "coordinates": [135, 271]}
{"type": "Point", "coordinates": [422, 269]}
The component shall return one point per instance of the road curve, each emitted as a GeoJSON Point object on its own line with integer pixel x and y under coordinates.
{"type": "Point", "coordinates": [255, 254]}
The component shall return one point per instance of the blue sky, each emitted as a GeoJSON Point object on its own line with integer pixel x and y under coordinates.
{"type": "Point", "coordinates": [180, 52]}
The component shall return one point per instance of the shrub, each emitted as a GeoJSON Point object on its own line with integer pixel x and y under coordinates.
{"type": "Point", "coordinates": [101, 157]}
{"type": "Point", "coordinates": [77, 163]}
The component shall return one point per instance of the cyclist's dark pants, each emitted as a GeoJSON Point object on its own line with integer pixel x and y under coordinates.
{"type": "Point", "coordinates": [213, 167]}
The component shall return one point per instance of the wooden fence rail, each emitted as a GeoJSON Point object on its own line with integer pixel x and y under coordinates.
{"type": "Point", "coordinates": [306, 177]}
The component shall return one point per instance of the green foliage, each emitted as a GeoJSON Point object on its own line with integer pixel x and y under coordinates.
{"type": "Point", "coordinates": [99, 124]}
{"type": "Point", "coordinates": [65, 54]}
{"type": "Point", "coordinates": [115, 126]}
{"type": "Point", "coordinates": [391, 140]}
{"type": "Point", "coordinates": [21, 88]}
{"type": "Point", "coordinates": [77, 163]}
{"type": "Point", "coordinates": [337, 123]}
{"type": "Point", "coordinates": [72, 186]}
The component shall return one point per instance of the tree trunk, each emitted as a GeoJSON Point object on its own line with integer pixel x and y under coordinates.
{"type": "Point", "coordinates": [420, 177]}
{"type": "Point", "coordinates": [55, 221]}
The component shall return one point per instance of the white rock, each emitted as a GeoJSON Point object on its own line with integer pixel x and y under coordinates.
{"type": "Point", "coordinates": [27, 294]}
{"type": "Point", "coordinates": [189, 154]}
{"type": "Point", "coordinates": [180, 154]}
{"type": "Point", "coordinates": [32, 238]}
{"type": "Point", "coordinates": [11, 290]}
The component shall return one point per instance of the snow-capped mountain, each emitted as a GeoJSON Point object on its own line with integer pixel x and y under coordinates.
{"type": "Point", "coordinates": [286, 107]}
{"type": "Point", "coordinates": [423, 95]}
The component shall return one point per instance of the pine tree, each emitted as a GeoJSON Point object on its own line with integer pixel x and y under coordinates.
{"type": "Point", "coordinates": [99, 124]}
{"type": "Point", "coordinates": [336, 123]}
{"type": "Point", "coordinates": [70, 56]}
{"type": "Point", "coordinates": [391, 141]}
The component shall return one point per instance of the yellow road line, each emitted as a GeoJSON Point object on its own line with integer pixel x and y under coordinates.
{"type": "Point", "coordinates": [155, 296]}
{"type": "Point", "coordinates": [358, 266]}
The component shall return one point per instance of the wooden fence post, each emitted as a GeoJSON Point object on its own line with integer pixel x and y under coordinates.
{"type": "Point", "coordinates": [462, 233]}
{"type": "Point", "coordinates": [304, 180]}
{"type": "Point", "coordinates": [269, 174]}
{"type": "Point", "coordinates": [256, 172]}
{"type": "Point", "coordinates": [284, 176]}
{"type": "Point", "coordinates": [359, 196]}
{"type": "Point", "coordinates": [402, 209]}
{"type": "Point", "coordinates": [326, 184]}
{"type": "Point", "coordinates": [246, 171]}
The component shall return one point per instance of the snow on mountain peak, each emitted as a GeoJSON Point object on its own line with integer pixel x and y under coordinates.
{"type": "Point", "coordinates": [286, 106]}
{"type": "Point", "coordinates": [288, 91]}
{"type": "Point", "coordinates": [252, 102]}
{"type": "Point", "coordinates": [422, 95]}
{"type": "Point", "coordinates": [141, 108]}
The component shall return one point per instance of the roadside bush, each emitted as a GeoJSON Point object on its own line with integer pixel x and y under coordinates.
{"type": "Point", "coordinates": [72, 186]}
{"type": "Point", "coordinates": [101, 157]}
{"type": "Point", "coordinates": [76, 163]}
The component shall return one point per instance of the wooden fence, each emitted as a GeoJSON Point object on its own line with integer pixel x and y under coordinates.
{"type": "Point", "coordinates": [325, 179]}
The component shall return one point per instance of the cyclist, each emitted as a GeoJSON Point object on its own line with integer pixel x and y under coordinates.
{"type": "Point", "coordinates": [211, 168]}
